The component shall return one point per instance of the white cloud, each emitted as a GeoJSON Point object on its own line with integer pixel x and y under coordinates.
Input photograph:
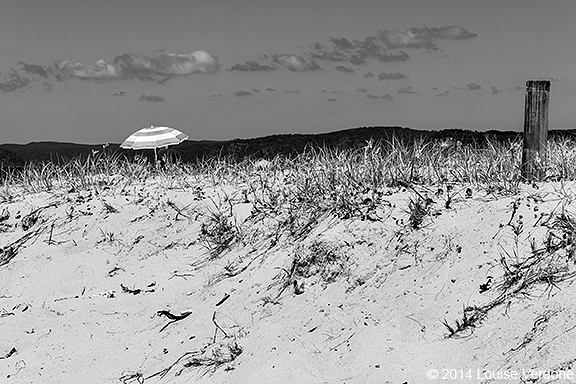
{"type": "Point", "coordinates": [296, 63]}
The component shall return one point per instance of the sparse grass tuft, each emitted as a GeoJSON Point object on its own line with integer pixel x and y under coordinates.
{"type": "Point", "coordinates": [215, 356]}
{"type": "Point", "coordinates": [208, 359]}
{"type": "Point", "coordinates": [550, 264]}
{"type": "Point", "coordinates": [471, 317]}
{"type": "Point", "coordinates": [418, 210]}
{"type": "Point", "coordinates": [219, 231]}
{"type": "Point", "coordinates": [547, 266]}
{"type": "Point", "coordinates": [320, 259]}
{"type": "Point", "coordinates": [324, 260]}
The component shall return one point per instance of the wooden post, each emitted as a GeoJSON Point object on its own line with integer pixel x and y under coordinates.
{"type": "Point", "coordinates": [535, 130]}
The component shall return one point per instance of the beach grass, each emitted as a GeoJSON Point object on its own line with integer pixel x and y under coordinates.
{"type": "Point", "coordinates": [336, 174]}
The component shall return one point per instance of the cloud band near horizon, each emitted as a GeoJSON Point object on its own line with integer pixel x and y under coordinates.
{"type": "Point", "coordinates": [159, 68]}
{"type": "Point", "coordinates": [164, 65]}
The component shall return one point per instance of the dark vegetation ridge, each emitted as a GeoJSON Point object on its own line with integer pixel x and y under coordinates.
{"type": "Point", "coordinates": [14, 156]}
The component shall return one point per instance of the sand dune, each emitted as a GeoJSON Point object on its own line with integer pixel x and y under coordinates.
{"type": "Point", "coordinates": [159, 284]}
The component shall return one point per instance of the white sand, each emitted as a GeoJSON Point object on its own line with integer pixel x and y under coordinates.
{"type": "Point", "coordinates": [64, 310]}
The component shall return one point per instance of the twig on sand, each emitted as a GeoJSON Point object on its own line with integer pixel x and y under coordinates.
{"type": "Point", "coordinates": [51, 231]}
{"type": "Point", "coordinates": [135, 377]}
{"type": "Point", "coordinates": [178, 210]}
{"type": "Point", "coordinates": [172, 317]}
{"type": "Point", "coordinates": [13, 351]}
{"type": "Point", "coordinates": [165, 371]}
{"type": "Point", "coordinates": [222, 300]}
{"type": "Point", "coordinates": [217, 327]}
{"type": "Point", "coordinates": [343, 341]}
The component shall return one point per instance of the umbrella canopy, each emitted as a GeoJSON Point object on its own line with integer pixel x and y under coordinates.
{"type": "Point", "coordinates": [153, 137]}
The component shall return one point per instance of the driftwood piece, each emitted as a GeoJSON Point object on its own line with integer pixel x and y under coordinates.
{"type": "Point", "coordinates": [134, 291]}
{"type": "Point", "coordinates": [13, 351]}
{"type": "Point", "coordinates": [222, 300]}
{"type": "Point", "coordinates": [172, 317]}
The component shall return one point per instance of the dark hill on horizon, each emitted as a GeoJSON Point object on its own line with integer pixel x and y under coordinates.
{"type": "Point", "coordinates": [14, 156]}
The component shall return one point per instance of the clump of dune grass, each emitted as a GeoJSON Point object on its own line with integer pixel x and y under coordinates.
{"type": "Point", "coordinates": [219, 230]}
{"type": "Point", "coordinates": [418, 210]}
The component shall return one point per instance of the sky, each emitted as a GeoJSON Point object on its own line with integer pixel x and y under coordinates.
{"type": "Point", "coordinates": [96, 71]}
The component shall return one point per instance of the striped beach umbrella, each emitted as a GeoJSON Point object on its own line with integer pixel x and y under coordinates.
{"type": "Point", "coordinates": [153, 137]}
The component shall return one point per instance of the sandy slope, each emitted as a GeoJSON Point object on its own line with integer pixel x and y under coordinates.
{"type": "Point", "coordinates": [80, 300]}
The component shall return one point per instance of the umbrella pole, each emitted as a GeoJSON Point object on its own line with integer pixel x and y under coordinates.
{"type": "Point", "coordinates": [155, 158]}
